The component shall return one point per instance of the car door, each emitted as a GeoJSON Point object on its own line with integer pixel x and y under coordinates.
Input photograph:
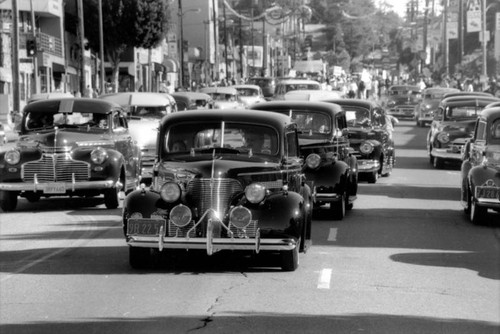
{"type": "Point", "coordinates": [124, 143]}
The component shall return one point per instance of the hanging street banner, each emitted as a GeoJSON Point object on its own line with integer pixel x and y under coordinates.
{"type": "Point", "coordinates": [452, 25]}
{"type": "Point", "coordinates": [474, 15]}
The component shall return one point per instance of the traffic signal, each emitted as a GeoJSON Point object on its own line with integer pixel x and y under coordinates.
{"type": "Point", "coordinates": [31, 47]}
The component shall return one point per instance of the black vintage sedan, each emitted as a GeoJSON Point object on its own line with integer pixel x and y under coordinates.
{"type": "Point", "coordinates": [481, 167]}
{"type": "Point", "coordinates": [70, 147]}
{"type": "Point", "coordinates": [369, 137]}
{"type": "Point", "coordinates": [330, 168]}
{"type": "Point", "coordinates": [224, 180]}
{"type": "Point", "coordinates": [453, 124]}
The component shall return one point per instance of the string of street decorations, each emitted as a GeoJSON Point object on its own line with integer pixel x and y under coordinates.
{"type": "Point", "coordinates": [276, 14]}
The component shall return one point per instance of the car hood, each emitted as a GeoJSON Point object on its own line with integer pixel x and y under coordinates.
{"type": "Point", "coordinates": [144, 131]}
{"type": "Point", "coordinates": [246, 171]}
{"type": "Point", "coordinates": [403, 100]}
{"type": "Point", "coordinates": [364, 133]}
{"type": "Point", "coordinates": [463, 126]}
{"type": "Point", "coordinates": [227, 105]}
{"type": "Point", "coordinates": [64, 138]}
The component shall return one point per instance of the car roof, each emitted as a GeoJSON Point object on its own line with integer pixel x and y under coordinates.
{"type": "Point", "coordinates": [220, 90]}
{"type": "Point", "coordinates": [297, 81]}
{"type": "Point", "coordinates": [490, 113]}
{"type": "Point", "coordinates": [465, 98]}
{"type": "Point", "coordinates": [143, 99]}
{"type": "Point", "coordinates": [243, 86]}
{"type": "Point", "coordinates": [192, 95]}
{"type": "Point", "coordinates": [72, 105]}
{"type": "Point", "coordinates": [291, 105]}
{"type": "Point", "coordinates": [311, 95]}
{"type": "Point", "coordinates": [461, 93]}
{"type": "Point", "coordinates": [440, 90]}
{"type": "Point", "coordinates": [353, 102]}
{"type": "Point", "coordinates": [404, 87]}
{"type": "Point", "coordinates": [278, 121]}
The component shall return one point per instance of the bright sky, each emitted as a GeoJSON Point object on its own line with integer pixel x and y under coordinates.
{"type": "Point", "coordinates": [399, 6]}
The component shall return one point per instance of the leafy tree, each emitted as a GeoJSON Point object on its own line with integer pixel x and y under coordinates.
{"type": "Point", "coordinates": [127, 24]}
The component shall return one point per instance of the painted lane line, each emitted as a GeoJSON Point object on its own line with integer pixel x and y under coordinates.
{"type": "Point", "coordinates": [324, 278]}
{"type": "Point", "coordinates": [332, 236]}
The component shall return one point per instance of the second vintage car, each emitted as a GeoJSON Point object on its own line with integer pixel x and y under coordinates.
{"type": "Point", "coordinates": [330, 168]}
{"type": "Point", "coordinates": [453, 124]}
{"type": "Point", "coordinates": [481, 168]}
{"type": "Point", "coordinates": [369, 137]}
{"type": "Point", "coordinates": [225, 180]}
{"type": "Point", "coordinates": [70, 147]}
{"type": "Point", "coordinates": [402, 100]}
{"type": "Point", "coordinates": [424, 111]}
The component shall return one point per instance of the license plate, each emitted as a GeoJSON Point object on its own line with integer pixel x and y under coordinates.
{"type": "Point", "coordinates": [488, 192]}
{"type": "Point", "coordinates": [145, 226]}
{"type": "Point", "coordinates": [54, 188]}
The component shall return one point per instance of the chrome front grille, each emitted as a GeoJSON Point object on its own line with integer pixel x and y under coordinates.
{"type": "Point", "coordinates": [56, 168]}
{"type": "Point", "coordinates": [213, 194]}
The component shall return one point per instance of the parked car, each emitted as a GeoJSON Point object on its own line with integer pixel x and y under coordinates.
{"type": "Point", "coordinates": [330, 169]}
{"type": "Point", "coordinates": [453, 124]}
{"type": "Point", "coordinates": [312, 95]}
{"type": "Point", "coordinates": [225, 180]}
{"type": "Point", "coordinates": [286, 85]}
{"type": "Point", "coordinates": [481, 168]}
{"type": "Point", "coordinates": [424, 111]}
{"type": "Point", "coordinates": [369, 137]}
{"type": "Point", "coordinates": [249, 94]}
{"type": "Point", "coordinates": [224, 97]}
{"type": "Point", "coordinates": [267, 84]}
{"type": "Point", "coordinates": [192, 100]}
{"type": "Point", "coordinates": [402, 99]}
{"type": "Point", "coordinates": [144, 112]}
{"type": "Point", "coordinates": [70, 147]}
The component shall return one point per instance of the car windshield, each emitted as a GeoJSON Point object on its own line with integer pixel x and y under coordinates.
{"type": "Point", "coordinates": [149, 112]}
{"type": "Point", "coordinates": [460, 113]}
{"type": "Point", "coordinates": [358, 117]}
{"type": "Point", "coordinates": [223, 97]}
{"type": "Point", "coordinates": [310, 123]}
{"type": "Point", "coordinates": [300, 86]}
{"type": "Point", "coordinates": [248, 92]}
{"type": "Point", "coordinates": [45, 120]}
{"type": "Point", "coordinates": [232, 138]}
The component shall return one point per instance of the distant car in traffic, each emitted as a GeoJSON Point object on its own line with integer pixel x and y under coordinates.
{"type": "Point", "coordinates": [312, 95]}
{"type": "Point", "coordinates": [70, 147]}
{"type": "Point", "coordinates": [453, 124]}
{"type": "Point", "coordinates": [224, 97]}
{"type": "Point", "coordinates": [192, 100]}
{"type": "Point", "coordinates": [249, 94]}
{"type": "Point", "coordinates": [144, 112]}
{"type": "Point", "coordinates": [402, 100]}
{"type": "Point", "coordinates": [481, 168]}
{"type": "Point", "coordinates": [329, 167]}
{"type": "Point", "coordinates": [267, 84]}
{"type": "Point", "coordinates": [424, 111]}
{"type": "Point", "coordinates": [224, 180]}
{"type": "Point", "coordinates": [286, 85]}
{"type": "Point", "coordinates": [369, 137]}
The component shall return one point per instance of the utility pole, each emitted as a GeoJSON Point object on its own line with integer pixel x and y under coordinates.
{"type": "Point", "coordinates": [101, 48]}
{"type": "Point", "coordinates": [82, 47]}
{"type": "Point", "coordinates": [35, 57]}
{"type": "Point", "coordinates": [15, 58]}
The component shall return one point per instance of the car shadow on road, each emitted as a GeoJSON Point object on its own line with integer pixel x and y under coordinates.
{"type": "Point", "coordinates": [424, 164]}
{"type": "Point", "coordinates": [429, 192]}
{"type": "Point", "coordinates": [260, 322]}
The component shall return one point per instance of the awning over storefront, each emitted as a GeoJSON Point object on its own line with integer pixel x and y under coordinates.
{"type": "Point", "coordinates": [172, 65]}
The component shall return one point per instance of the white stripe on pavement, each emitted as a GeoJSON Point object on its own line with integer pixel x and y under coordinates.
{"type": "Point", "coordinates": [324, 278]}
{"type": "Point", "coordinates": [332, 236]}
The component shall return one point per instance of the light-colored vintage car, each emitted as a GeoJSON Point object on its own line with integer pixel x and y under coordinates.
{"type": "Point", "coordinates": [144, 112]}
{"type": "Point", "coordinates": [250, 94]}
{"type": "Point", "coordinates": [481, 168]}
{"type": "Point", "coordinates": [224, 97]}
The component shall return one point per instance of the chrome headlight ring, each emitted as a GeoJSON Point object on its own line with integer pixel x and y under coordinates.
{"type": "Point", "coordinates": [180, 215]}
{"type": "Point", "coordinates": [12, 157]}
{"type": "Point", "coordinates": [313, 160]}
{"type": "Point", "coordinates": [366, 147]}
{"type": "Point", "coordinates": [98, 156]}
{"type": "Point", "coordinates": [443, 137]}
{"type": "Point", "coordinates": [255, 193]}
{"type": "Point", "coordinates": [170, 192]}
{"type": "Point", "coordinates": [240, 217]}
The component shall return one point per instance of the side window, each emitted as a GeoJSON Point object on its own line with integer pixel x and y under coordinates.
{"type": "Point", "coordinates": [291, 144]}
{"type": "Point", "coordinates": [480, 130]}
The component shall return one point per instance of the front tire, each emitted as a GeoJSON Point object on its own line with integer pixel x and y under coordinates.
{"type": "Point", "coordinates": [477, 213]}
{"type": "Point", "coordinates": [373, 177]}
{"type": "Point", "coordinates": [290, 259]}
{"type": "Point", "coordinates": [111, 199]}
{"type": "Point", "coordinates": [338, 208]}
{"type": "Point", "coordinates": [8, 200]}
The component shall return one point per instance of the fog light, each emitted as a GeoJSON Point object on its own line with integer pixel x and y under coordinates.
{"type": "Point", "coordinates": [240, 217]}
{"type": "Point", "coordinates": [180, 215]}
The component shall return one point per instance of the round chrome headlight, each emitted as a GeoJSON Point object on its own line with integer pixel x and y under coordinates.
{"type": "Point", "coordinates": [240, 217]}
{"type": "Point", "coordinates": [255, 192]}
{"type": "Point", "coordinates": [12, 157]}
{"type": "Point", "coordinates": [98, 156]}
{"type": "Point", "coordinates": [443, 137]}
{"type": "Point", "coordinates": [313, 161]}
{"type": "Point", "coordinates": [366, 147]}
{"type": "Point", "coordinates": [180, 215]}
{"type": "Point", "coordinates": [170, 192]}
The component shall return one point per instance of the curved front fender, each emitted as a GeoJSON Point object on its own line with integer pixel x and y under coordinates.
{"type": "Point", "coordinates": [330, 176]}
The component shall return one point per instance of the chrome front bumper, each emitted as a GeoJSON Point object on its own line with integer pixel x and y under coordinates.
{"type": "Point", "coordinates": [368, 165]}
{"type": "Point", "coordinates": [69, 186]}
{"type": "Point", "coordinates": [444, 153]}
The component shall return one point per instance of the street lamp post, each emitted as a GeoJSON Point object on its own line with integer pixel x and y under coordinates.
{"type": "Point", "coordinates": [181, 14]}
